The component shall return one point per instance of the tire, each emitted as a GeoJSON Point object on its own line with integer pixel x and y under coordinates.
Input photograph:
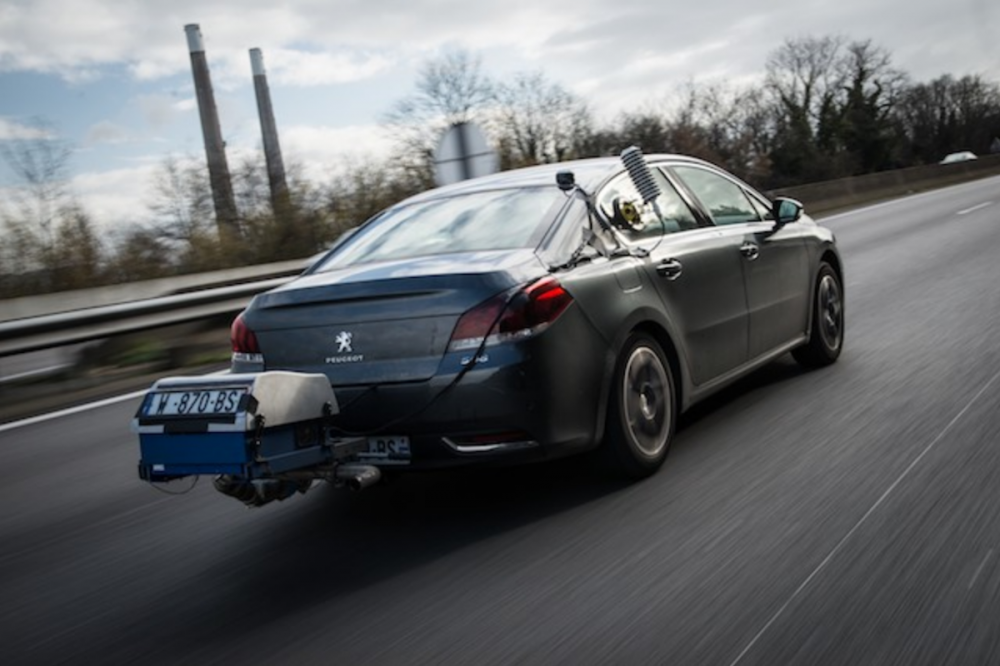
{"type": "Point", "coordinates": [642, 412]}
{"type": "Point", "coordinates": [826, 336]}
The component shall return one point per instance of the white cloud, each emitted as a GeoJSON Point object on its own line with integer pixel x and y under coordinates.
{"type": "Point", "coordinates": [160, 110]}
{"type": "Point", "coordinates": [320, 151]}
{"type": "Point", "coordinates": [320, 142]}
{"type": "Point", "coordinates": [116, 198]}
{"type": "Point", "coordinates": [313, 43]}
{"type": "Point", "coordinates": [300, 68]}
{"type": "Point", "coordinates": [308, 44]}
{"type": "Point", "coordinates": [12, 130]}
{"type": "Point", "coordinates": [106, 132]}
{"type": "Point", "coordinates": [150, 70]}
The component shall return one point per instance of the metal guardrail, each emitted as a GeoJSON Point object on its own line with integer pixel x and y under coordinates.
{"type": "Point", "coordinates": [34, 333]}
{"type": "Point", "coordinates": [40, 305]}
{"type": "Point", "coordinates": [853, 191]}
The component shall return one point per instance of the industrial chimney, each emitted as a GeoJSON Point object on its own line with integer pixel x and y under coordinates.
{"type": "Point", "coordinates": [269, 132]}
{"type": "Point", "coordinates": [215, 148]}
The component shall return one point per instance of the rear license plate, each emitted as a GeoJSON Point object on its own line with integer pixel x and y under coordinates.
{"type": "Point", "coordinates": [193, 403]}
{"type": "Point", "coordinates": [387, 450]}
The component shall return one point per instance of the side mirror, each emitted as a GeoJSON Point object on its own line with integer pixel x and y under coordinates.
{"type": "Point", "coordinates": [786, 210]}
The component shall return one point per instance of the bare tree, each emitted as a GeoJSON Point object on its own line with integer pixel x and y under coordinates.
{"type": "Point", "coordinates": [863, 128]}
{"type": "Point", "coordinates": [450, 89]}
{"type": "Point", "coordinates": [77, 258]}
{"type": "Point", "coordinates": [20, 261]}
{"type": "Point", "coordinates": [948, 114]}
{"type": "Point", "coordinates": [141, 253]}
{"type": "Point", "coordinates": [804, 79]}
{"type": "Point", "coordinates": [251, 187]}
{"type": "Point", "coordinates": [834, 103]}
{"type": "Point", "coordinates": [362, 188]}
{"type": "Point", "coordinates": [539, 121]}
{"type": "Point", "coordinates": [41, 165]}
{"type": "Point", "coordinates": [49, 241]}
{"type": "Point", "coordinates": [737, 128]}
{"type": "Point", "coordinates": [805, 76]}
{"type": "Point", "coordinates": [182, 206]}
{"type": "Point", "coordinates": [184, 214]}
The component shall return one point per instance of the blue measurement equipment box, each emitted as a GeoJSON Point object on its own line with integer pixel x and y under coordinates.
{"type": "Point", "coordinates": [252, 426]}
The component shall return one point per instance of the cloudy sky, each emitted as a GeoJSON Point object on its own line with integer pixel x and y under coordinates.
{"type": "Point", "coordinates": [113, 78]}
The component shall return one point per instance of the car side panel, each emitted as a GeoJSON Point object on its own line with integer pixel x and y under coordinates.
{"type": "Point", "coordinates": [707, 300]}
{"type": "Point", "coordinates": [616, 298]}
{"type": "Point", "coordinates": [778, 285]}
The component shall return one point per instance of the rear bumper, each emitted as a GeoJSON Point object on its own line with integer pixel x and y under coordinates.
{"type": "Point", "coordinates": [521, 402]}
{"type": "Point", "coordinates": [517, 405]}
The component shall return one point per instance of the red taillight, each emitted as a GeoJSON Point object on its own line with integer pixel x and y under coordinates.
{"type": "Point", "coordinates": [528, 313]}
{"type": "Point", "coordinates": [537, 306]}
{"type": "Point", "coordinates": [243, 339]}
{"type": "Point", "coordinates": [473, 326]}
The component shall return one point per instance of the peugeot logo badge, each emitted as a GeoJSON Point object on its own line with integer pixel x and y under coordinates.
{"type": "Point", "coordinates": [343, 341]}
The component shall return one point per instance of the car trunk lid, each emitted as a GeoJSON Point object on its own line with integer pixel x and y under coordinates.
{"type": "Point", "coordinates": [384, 322]}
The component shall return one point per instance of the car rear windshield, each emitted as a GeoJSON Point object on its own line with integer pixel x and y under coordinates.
{"type": "Point", "coordinates": [478, 221]}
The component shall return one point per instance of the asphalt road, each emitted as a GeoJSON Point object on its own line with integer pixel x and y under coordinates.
{"type": "Point", "coordinates": [843, 516]}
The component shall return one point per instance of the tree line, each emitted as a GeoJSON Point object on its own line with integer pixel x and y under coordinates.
{"type": "Point", "coordinates": [825, 108]}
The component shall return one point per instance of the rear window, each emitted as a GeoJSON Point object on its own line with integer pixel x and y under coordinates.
{"type": "Point", "coordinates": [478, 221]}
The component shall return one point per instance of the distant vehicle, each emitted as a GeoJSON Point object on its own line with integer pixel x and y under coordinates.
{"type": "Point", "coordinates": [552, 310]}
{"type": "Point", "coordinates": [962, 156]}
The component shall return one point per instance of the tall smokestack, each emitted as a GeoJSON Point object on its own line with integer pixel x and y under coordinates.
{"type": "Point", "coordinates": [215, 148]}
{"type": "Point", "coordinates": [269, 131]}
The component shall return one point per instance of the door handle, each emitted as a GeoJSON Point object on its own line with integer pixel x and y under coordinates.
{"type": "Point", "coordinates": [750, 251]}
{"type": "Point", "coordinates": [670, 269]}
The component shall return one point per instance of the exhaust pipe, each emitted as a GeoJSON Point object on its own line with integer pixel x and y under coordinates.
{"type": "Point", "coordinates": [259, 492]}
{"type": "Point", "coordinates": [358, 477]}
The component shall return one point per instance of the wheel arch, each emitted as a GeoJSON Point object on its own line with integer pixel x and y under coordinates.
{"type": "Point", "coordinates": [832, 258]}
{"type": "Point", "coordinates": [829, 256]}
{"type": "Point", "coordinates": [642, 323]}
{"type": "Point", "coordinates": [666, 343]}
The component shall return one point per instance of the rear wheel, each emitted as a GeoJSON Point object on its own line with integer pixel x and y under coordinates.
{"type": "Point", "coordinates": [642, 413]}
{"type": "Point", "coordinates": [827, 332]}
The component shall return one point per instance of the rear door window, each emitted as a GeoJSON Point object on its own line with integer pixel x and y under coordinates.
{"type": "Point", "coordinates": [724, 200]}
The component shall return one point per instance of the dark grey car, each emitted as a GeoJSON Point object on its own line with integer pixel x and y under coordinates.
{"type": "Point", "coordinates": [552, 310]}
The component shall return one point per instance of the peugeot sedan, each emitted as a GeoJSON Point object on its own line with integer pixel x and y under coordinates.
{"type": "Point", "coordinates": [554, 310]}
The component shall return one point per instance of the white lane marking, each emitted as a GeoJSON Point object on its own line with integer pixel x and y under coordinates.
{"type": "Point", "coordinates": [865, 209]}
{"type": "Point", "coordinates": [980, 569]}
{"type": "Point", "coordinates": [864, 518]}
{"type": "Point", "coordinates": [41, 418]}
{"type": "Point", "coordinates": [974, 208]}
{"type": "Point", "coordinates": [71, 410]}
{"type": "Point", "coordinates": [32, 373]}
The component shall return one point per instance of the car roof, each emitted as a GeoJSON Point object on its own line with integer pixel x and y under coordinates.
{"type": "Point", "coordinates": [589, 173]}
